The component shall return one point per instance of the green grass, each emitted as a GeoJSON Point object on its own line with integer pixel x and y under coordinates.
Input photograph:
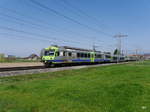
{"type": "Point", "coordinates": [116, 88]}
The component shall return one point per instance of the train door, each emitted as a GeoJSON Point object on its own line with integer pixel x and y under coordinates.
{"type": "Point", "coordinates": [92, 57]}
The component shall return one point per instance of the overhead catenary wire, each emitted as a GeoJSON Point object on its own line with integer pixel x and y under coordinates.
{"type": "Point", "coordinates": [69, 18]}
{"type": "Point", "coordinates": [23, 37]}
{"type": "Point", "coordinates": [28, 20]}
{"type": "Point", "coordinates": [24, 21]}
{"type": "Point", "coordinates": [18, 22]}
{"type": "Point", "coordinates": [38, 35]}
{"type": "Point", "coordinates": [20, 37]}
{"type": "Point", "coordinates": [78, 11]}
{"type": "Point", "coordinates": [17, 19]}
{"type": "Point", "coordinates": [24, 32]}
{"type": "Point", "coordinates": [29, 33]}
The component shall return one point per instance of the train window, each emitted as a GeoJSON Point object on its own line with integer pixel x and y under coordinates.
{"type": "Point", "coordinates": [46, 53]}
{"type": "Point", "coordinates": [82, 55]}
{"type": "Point", "coordinates": [49, 53]}
{"type": "Point", "coordinates": [108, 56]}
{"type": "Point", "coordinates": [64, 53]}
{"type": "Point", "coordinates": [100, 56]}
{"type": "Point", "coordinates": [115, 58]}
{"type": "Point", "coordinates": [57, 53]}
{"type": "Point", "coordinates": [78, 55]}
{"type": "Point", "coordinates": [97, 56]}
{"type": "Point", "coordinates": [122, 58]}
{"type": "Point", "coordinates": [69, 54]}
{"type": "Point", "coordinates": [88, 55]}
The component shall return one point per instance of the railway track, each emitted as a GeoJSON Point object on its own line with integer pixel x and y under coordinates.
{"type": "Point", "coordinates": [13, 71]}
{"type": "Point", "coordinates": [20, 68]}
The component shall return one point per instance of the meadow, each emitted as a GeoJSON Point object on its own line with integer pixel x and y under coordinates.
{"type": "Point", "coordinates": [114, 88]}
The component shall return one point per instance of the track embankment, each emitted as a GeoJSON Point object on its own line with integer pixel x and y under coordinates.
{"type": "Point", "coordinates": [23, 70]}
{"type": "Point", "coordinates": [20, 64]}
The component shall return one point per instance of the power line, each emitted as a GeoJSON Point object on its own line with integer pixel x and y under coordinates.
{"type": "Point", "coordinates": [119, 36]}
{"type": "Point", "coordinates": [30, 18]}
{"type": "Point", "coordinates": [18, 37]}
{"type": "Point", "coordinates": [64, 6]}
{"type": "Point", "coordinates": [53, 38]}
{"type": "Point", "coordinates": [24, 37]}
{"type": "Point", "coordinates": [28, 33]}
{"type": "Point", "coordinates": [19, 22]}
{"type": "Point", "coordinates": [77, 11]}
{"type": "Point", "coordinates": [23, 21]}
{"type": "Point", "coordinates": [39, 35]}
{"type": "Point", "coordinates": [27, 22]}
{"type": "Point", "coordinates": [30, 22]}
{"type": "Point", "coordinates": [80, 12]}
{"type": "Point", "coordinates": [68, 18]}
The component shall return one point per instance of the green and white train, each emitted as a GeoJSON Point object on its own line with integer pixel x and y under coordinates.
{"type": "Point", "coordinates": [64, 54]}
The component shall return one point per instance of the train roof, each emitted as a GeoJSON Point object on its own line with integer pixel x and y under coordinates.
{"type": "Point", "coordinates": [79, 49]}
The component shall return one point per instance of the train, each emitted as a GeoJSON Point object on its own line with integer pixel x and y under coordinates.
{"type": "Point", "coordinates": [55, 55]}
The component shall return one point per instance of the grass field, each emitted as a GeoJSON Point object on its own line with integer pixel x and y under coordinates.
{"type": "Point", "coordinates": [115, 88]}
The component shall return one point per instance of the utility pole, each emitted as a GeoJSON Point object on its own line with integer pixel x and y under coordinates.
{"type": "Point", "coordinates": [119, 36]}
{"type": "Point", "coordinates": [136, 53]}
{"type": "Point", "coordinates": [94, 47]}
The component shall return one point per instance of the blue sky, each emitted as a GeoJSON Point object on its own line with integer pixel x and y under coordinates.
{"type": "Point", "coordinates": [26, 28]}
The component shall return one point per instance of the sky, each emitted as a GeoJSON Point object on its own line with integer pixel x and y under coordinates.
{"type": "Point", "coordinates": [26, 27]}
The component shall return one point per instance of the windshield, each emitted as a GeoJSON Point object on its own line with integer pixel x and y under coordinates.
{"type": "Point", "coordinates": [49, 53]}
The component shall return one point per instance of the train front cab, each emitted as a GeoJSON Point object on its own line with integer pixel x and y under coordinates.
{"type": "Point", "coordinates": [49, 55]}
